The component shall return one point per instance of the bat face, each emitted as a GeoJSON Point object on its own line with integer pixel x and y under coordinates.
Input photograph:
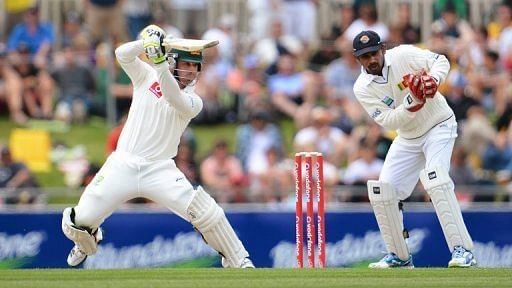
{"type": "Point", "coordinates": [189, 45]}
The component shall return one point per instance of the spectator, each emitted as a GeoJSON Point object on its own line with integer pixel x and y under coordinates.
{"type": "Point", "coordinates": [498, 154]}
{"type": "Point", "coordinates": [268, 49]}
{"type": "Point", "coordinates": [29, 47]}
{"type": "Point", "coordinates": [224, 34]}
{"type": "Point", "coordinates": [340, 76]}
{"type": "Point", "coordinates": [292, 92]}
{"type": "Point", "coordinates": [367, 20]}
{"type": "Point", "coordinates": [37, 86]}
{"type": "Point", "coordinates": [254, 139]}
{"type": "Point", "coordinates": [76, 85]}
{"type": "Point", "coordinates": [366, 167]}
{"type": "Point", "coordinates": [456, 95]}
{"type": "Point", "coordinates": [16, 177]}
{"type": "Point", "coordinates": [323, 138]}
{"type": "Point", "coordinates": [408, 33]}
{"type": "Point", "coordinates": [303, 27]}
{"type": "Point", "coordinates": [344, 17]}
{"type": "Point", "coordinates": [222, 173]}
{"type": "Point", "coordinates": [11, 89]}
{"type": "Point", "coordinates": [246, 83]}
{"type": "Point", "coordinates": [138, 15]}
{"type": "Point", "coordinates": [273, 184]}
{"type": "Point", "coordinates": [451, 25]}
{"type": "Point", "coordinates": [186, 163]}
{"type": "Point", "coordinates": [105, 20]}
{"type": "Point", "coordinates": [261, 13]}
{"type": "Point", "coordinates": [460, 172]}
{"type": "Point", "coordinates": [505, 38]}
{"type": "Point", "coordinates": [489, 83]}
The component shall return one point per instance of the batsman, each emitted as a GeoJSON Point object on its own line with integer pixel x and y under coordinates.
{"type": "Point", "coordinates": [162, 106]}
{"type": "Point", "coordinates": [398, 89]}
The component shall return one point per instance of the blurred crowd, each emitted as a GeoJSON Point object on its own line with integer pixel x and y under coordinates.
{"type": "Point", "coordinates": [280, 70]}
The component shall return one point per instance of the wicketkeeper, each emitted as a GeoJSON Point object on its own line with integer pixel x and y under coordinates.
{"type": "Point", "coordinates": [398, 89]}
{"type": "Point", "coordinates": [163, 104]}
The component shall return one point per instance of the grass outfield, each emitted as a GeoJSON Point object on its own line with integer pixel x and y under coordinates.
{"type": "Point", "coordinates": [275, 278]}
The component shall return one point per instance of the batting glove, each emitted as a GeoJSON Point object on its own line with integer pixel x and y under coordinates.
{"type": "Point", "coordinates": [415, 85]}
{"type": "Point", "coordinates": [152, 39]}
{"type": "Point", "coordinates": [413, 104]}
{"type": "Point", "coordinates": [429, 84]}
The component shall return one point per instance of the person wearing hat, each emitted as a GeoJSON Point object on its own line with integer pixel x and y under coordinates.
{"type": "Point", "coordinates": [398, 89]}
{"type": "Point", "coordinates": [142, 165]}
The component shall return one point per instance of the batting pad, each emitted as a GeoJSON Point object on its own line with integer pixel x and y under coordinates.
{"type": "Point", "coordinates": [79, 236]}
{"type": "Point", "coordinates": [440, 187]}
{"type": "Point", "coordinates": [209, 219]}
{"type": "Point", "coordinates": [385, 206]}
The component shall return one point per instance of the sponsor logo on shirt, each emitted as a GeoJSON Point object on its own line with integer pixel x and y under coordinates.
{"type": "Point", "coordinates": [376, 113]}
{"type": "Point", "coordinates": [388, 101]}
{"type": "Point", "coordinates": [155, 89]}
{"type": "Point", "coordinates": [432, 175]}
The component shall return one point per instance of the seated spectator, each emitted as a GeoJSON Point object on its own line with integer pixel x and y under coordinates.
{"type": "Point", "coordinates": [11, 89]}
{"type": "Point", "coordinates": [340, 76]}
{"type": "Point", "coordinates": [367, 20]}
{"type": "Point", "coordinates": [29, 47]}
{"type": "Point", "coordinates": [16, 177]}
{"type": "Point", "coordinates": [292, 92]}
{"type": "Point", "coordinates": [246, 82]}
{"type": "Point", "coordinates": [254, 139]}
{"type": "Point", "coordinates": [268, 49]}
{"type": "Point", "coordinates": [273, 184]}
{"type": "Point", "coordinates": [222, 173]}
{"type": "Point", "coordinates": [498, 154]}
{"type": "Point", "coordinates": [489, 84]}
{"type": "Point", "coordinates": [185, 161]}
{"type": "Point", "coordinates": [323, 138]}
{"type": "Point", "coordinates": [366, 167]}
{"type": "Point", "coordinates": [456, 95]}
{"type": "Point", "coordinates": [76, 86]}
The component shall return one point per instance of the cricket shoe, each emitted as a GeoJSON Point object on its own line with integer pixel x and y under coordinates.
{"type": "Point", "coordinates": [461, 258]}
{"type": "Point", "coordinates": [246, 263]}
{"type": "Point", "coordinates": [77, 256]}
{"type": "Point", "coordinates": [390, 260]}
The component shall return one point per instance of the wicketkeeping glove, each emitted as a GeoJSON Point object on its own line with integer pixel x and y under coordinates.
{"type": "Point", "coordinates": [152, 39]}
{"type": "Point", "coordinates": [429, 85]}
{"type": "Point", "coordinates": [415, 85]}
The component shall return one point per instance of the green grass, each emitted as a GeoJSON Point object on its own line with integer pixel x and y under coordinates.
{"type": "Point", "coordinates": [246, 278]}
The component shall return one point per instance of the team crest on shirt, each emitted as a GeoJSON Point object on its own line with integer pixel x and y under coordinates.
{"type": "Point", "coordinates": [155, 89]}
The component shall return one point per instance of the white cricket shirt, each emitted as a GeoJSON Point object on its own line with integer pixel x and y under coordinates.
{"type": "Point", "coordinates": [382, 96]}
{"type": "Point", "coordinates": [159, 112]}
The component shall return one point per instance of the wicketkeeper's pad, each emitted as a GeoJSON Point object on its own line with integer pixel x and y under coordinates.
{"type": "Point", "coordinates": [440, 187]}
{"type": "Point", "coordinates": [385, 206]}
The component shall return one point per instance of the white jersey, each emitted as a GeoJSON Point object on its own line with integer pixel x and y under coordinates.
{"type": "Point", "coordinates": [382, 96]}
{"type": "Point", "coordinates": [159, 112]}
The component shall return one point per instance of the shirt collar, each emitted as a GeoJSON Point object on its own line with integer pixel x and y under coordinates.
{"type": "Point", "coordinates": [368, 78]}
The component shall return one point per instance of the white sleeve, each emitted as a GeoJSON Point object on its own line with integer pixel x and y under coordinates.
{"type": "Point", "coordinates": [391, 119]}
{"type": "Point", "coordinates": [127, 56]}
{"type": "Point", "coordinates": [437, 65]}
{"type": "Point", "coordinates": [186, 103]}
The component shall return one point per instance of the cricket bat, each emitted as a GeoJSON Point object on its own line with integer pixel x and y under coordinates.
{"type": "Point", "coordinates": [189, 45]}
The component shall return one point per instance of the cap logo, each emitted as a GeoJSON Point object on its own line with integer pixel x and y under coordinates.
{"type": "Point", "coordinates": [195, 53]}
{"type": "Point", "coordinates": [364, 39]}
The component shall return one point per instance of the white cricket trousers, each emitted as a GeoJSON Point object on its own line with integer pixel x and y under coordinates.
{"type": "Point", "coordinates": [407, 157]}
{"type": "Point", "coordinates": [126, 176]}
